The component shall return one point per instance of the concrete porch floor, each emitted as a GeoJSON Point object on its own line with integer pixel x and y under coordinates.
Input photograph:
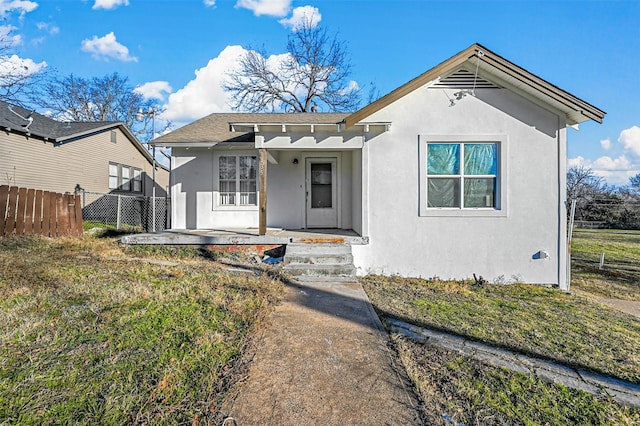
{"type": "Point", "coordinates": [246, 236]}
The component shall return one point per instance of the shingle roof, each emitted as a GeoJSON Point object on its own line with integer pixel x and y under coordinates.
{"type": "Point", "coordinates": [12, 118]}
{"type": "Point", "coordinates": [216, 127]}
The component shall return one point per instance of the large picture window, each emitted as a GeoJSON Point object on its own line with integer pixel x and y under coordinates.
{"type": "Point", "coordinates": [237, 177]}
{"type": "Point", "coordinates": [462, 175]}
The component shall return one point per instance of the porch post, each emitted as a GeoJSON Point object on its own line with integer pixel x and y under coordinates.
{"type": "Point", "coordinates": [262, 178]}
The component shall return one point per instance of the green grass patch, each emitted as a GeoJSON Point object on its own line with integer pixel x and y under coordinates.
{"type": "Point", "coordinates": [620, 275]}
{"type": "Point", "coordinates": [529, 319]}
{"type": "Point", "coordinates": [472, 393]}
{"type": "Point", "coordinates": [88, 337]}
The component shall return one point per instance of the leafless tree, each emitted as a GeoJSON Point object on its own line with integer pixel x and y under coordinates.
{"type": "Point", "coordinates": [108, 98]}
{"type": "Point", "coordinates": [583, 184]}
{"type": "Point", "coordinates": [634, 184]}
{"type": "Point", "coordinates": [314, 73]}
{"type": "Point", "coordinates": [17, 79]}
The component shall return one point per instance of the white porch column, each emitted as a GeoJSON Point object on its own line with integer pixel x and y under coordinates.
{"type": "Point", "coordinates": [262, 179]}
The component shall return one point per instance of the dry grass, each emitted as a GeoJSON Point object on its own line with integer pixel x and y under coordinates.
{"type": "Point", "coordinates": [88, 336]}
{"type": "Point", "coordinates": [469, 392]}
{"type": "Point", "coordinates": [529, 319]}
{"type": "Point", "coordinates": [620, 276]}
{"type": "Point", "coordinates": [568, 328]}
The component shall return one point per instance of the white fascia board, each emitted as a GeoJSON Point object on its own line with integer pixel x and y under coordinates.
{"type": "Point", "coordinates": [184, 144]}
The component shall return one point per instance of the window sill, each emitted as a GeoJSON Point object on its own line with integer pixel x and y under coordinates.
{"type": "Point", "coordinates": [444, 212]}
{"type": "Point", "coordinates": [236, 208]}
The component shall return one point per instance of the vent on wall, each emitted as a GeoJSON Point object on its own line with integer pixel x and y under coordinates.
{"type": "Point", "coordinates": [463, 79]}
{"type": "Point", "coordinates": [114, 136]}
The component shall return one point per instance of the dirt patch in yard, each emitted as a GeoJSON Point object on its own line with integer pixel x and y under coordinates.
{"type": "Point", "coordinates": [631, 307]}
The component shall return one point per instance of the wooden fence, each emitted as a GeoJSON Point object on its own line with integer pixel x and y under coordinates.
{"type": "Point", "coordinates": [29, 211]}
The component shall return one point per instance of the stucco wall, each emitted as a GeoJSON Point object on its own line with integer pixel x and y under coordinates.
{"type": "Point", "coordinates": [195, 192]}
{"type": "Point", "coordinates": [32, 163]}
{"type": "Point", "coordinates": [499, 248]}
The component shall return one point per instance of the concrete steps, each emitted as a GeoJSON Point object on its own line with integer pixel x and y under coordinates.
{"type": "Point", "coordinates": [320, 262]}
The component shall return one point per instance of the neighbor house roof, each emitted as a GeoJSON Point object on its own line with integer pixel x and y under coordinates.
{"type": "Point", "coordinates": [19, 120]}
{"type": "Point", "coordinates": [219, 127]}
{"type": "Point", "coordinates": [496, 69]}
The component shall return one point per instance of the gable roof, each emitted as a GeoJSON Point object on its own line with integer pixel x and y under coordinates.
{"type": "Point", "coordinates": [15, 119]}
{"type": "Point", "coordinates": [217, 127]}
{"type": "Point", "coordinates": [492, 67]}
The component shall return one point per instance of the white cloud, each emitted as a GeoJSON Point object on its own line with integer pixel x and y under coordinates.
{"type": "Point", "coordinates": [51, 29]}
{"type": "Point", "coordinates": [21, 6]}
{"type": "Point", "coordinates": [616, 171]}
{"type": "Point", "coordinates": [302, 15]}
{"type": "Point", "coordinates": [266, 7]}
{"type": "Point", "coordinates": [16, 66]}
{"type": "Point", "coordinates": [630, 140]}
{"type": "Point", "coordinates": [576, 162]}
{"type": "Point", "coordinates": [204, 94]}
{"type": "Point", "coordinates": [107, 47]}
{"type": "Point", "coordinates": [209, 3]}
{"type": "Point", "coordinates": [608, 163]}
{"type": "Point", "coordinates": [109, 4]}
{"type": "Point", "coordinates": [154, 90]}
{"type": "Point", "coordinates": [7, 38]}
{"type": "Point", "coordinates": [353, 86]}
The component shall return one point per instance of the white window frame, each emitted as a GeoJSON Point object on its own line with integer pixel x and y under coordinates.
{"type": "Point", "coordinates": [127, 178]}
{"type": "Point", "coordinates": [114, 176]}
{"type": "Point", "coordinates": [501, 203]}
{"type": "Point", "coordinates": [238, 195]}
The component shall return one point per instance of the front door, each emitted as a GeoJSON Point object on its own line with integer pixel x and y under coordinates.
{"type": "Point", "coordinates": [322, 199]}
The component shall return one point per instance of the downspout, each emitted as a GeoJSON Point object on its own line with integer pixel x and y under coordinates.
{"type": "Point", "coordinates": [563, 252]}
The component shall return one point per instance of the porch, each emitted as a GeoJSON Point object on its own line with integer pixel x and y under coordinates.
{"type": "Point", "coordinates": [247, 236]}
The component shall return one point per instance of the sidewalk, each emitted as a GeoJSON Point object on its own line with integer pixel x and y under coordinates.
{"type": "Point", "coordinates": [324, 360]}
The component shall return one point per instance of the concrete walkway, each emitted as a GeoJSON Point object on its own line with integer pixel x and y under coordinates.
{"type": "Point", "coordinates": [324, 360]}
{"type": "Point", "coordinates": [631, 307]}
{"type": "Point", "coordinates": [625, 393]}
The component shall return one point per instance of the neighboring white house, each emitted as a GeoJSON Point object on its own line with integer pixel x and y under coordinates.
{"type": "Point", "coordinates": [459, 171]}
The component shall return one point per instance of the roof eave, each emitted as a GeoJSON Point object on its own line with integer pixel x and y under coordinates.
{"type": "Point", "coordinates": [77, 135]}
{"type": "Point", "coordinates": [571, 103]}
{"type": "Point", "coordinates": [445, 67]}
{"type": "Point", "coordinates": [184, 144]}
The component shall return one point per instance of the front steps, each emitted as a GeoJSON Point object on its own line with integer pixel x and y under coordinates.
{"type": "Point", "coordinates": [320, 262]}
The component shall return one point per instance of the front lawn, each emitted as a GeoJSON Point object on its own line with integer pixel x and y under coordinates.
{"type": "Point", "coordinates": [619, 276]}
{"type": "Point", "coordinates": [530, 319]}
{"type": "Point", "coordinates": [89, 335]}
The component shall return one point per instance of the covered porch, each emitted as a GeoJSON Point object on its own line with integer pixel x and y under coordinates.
{"type": "Point", "coordinates": [262, 174]}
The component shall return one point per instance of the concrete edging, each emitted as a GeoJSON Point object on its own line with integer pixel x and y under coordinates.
{"type": "Point", "coordinates": [623, 392]}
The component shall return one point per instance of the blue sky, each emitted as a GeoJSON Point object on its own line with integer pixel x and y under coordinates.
{"type": "Point", "coordinates": [179, 50]}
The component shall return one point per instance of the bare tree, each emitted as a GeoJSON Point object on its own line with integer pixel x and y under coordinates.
{"type": "Point", "coordinates": [583, 184]}
{"type": "Point", "coordinates": [108, 98]}
{"type": "Point", "coordinates": [596, 201]}
{"type": "Point", "coordinates": [18, 79]}
{"type": "Point", "coordinates": [313, 74]}
{"type": "Point", "coordinates": [634, 184]}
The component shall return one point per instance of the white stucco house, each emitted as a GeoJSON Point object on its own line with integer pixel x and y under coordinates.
{"type": "Point", "coordinates": [459, 171]}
